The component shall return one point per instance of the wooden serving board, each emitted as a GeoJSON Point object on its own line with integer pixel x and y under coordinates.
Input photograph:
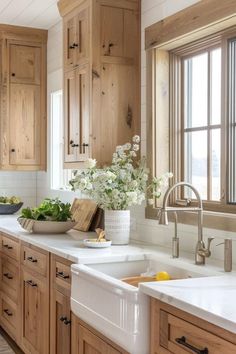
{"type": "Point", "coordinates": [83, 211]}
{"type": "Point", "coordinates": [139, 279]}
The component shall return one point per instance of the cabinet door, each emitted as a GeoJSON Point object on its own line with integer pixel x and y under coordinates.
{"type": "Point", "coordinates": [60, 342]}
{"type": "Point", "coordinates": [35, 313]}
{"type": "Point", "coordinates": [112, 22]}
{"type": "Point", "coordinates": [82, 36]}
{"type": "Point", "coordinates": [69, 42]}
{"type": "Point", "coordinates": [24, 64]}
{"type": "Point", "coordinates": [77, 118]}
{"type": "Point", "coordinates": [89, 343]}
{"type": "Point", "coordinates": [24, 124]}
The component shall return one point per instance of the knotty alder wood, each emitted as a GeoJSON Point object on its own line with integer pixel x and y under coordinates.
{"type": "Point", "coordinates": [205, 16]}
{"type": "Point", "coordinates": [23, 99]}
{"type": "Point", "coordinates": [106, 111]}
{"type": "Point", "coordinates": [169, 323]}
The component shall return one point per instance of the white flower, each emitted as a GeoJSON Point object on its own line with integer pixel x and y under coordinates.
{"type": "Point", "coordinates": [136, 139]}
{"type": "Point", "coordinates": [133, 154]}
{"type": "Point", "coordinates": [90, 163]}
{"type": "Point", "coordinates": [119, 148]}
{"type": "Point", "coordinates": [127, 146]}
{"type": "Point", "coordinates": [136, 147]}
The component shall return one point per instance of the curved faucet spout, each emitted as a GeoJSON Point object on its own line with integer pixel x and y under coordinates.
{"type": "Point", "coordinates": [163, 219]}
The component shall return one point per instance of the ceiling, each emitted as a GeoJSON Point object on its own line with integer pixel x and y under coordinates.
{"type": "Point", "coordinates": [29, 13]}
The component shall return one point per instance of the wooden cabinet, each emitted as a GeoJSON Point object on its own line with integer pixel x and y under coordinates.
{"type": "Point", "coordinates": [174, 331]}
{"type": "Point", "coordinates": [23, 99]}
{"type": "Point", "coordinates": [86, 340]}
{"type": "Point", "coordinates": [10, 286]}
{"type": "Point", "coordinates": [60, 319]}
{"type": "Point", "coordinates": [76, 40]}
{"type": "Point", "coordinates": [77, 114]}
{"type": "Point", "coordinates": [35, 305]}
{"type": "Point", "coordinates": [104, 37]}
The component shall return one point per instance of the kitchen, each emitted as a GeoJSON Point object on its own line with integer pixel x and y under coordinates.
{"type": "Point", "coordinates": [86, 80]}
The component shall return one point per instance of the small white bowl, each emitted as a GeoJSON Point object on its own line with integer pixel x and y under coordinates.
{"type": "Point", "coordinates": [94, 244]}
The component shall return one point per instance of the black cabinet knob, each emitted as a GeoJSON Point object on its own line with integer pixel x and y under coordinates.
{"type": "Point", "coordinates": [13, 74]}
{"type": "Point", "coordinates": [13, 150]}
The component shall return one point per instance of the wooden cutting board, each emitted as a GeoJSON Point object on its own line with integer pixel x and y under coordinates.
{"type": "Point", "coordinates": [83, 211]}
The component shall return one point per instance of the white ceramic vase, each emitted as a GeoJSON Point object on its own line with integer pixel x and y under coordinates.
{"type": "Point", "coordinates": [117, 226]}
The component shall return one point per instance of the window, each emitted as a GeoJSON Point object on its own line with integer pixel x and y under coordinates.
{"type": "Point", "coordinates": [59, 176]}
{"type": "Point", "coordinates": [205, 125]}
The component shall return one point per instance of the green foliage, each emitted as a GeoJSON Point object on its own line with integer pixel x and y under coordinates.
{"type": "Point", "coordinates": [9, 200]}
{"type": "Point", "coordinates": [49, 210]}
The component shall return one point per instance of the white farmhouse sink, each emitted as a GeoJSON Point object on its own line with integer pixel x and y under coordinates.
{"type": "Point", "coordinates": [118, 310]}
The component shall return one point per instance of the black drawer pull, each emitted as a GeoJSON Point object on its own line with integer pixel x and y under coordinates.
{"type": "Point", "coordinates": [62, 275]}
{"type": "Point", "coordinates": [7, 312]}
{"type": "Point", "coordinates": [8, 247]}
{"type": "Point", "coordinates": [31, 259]}
{"type": "Point", "coordinates": [31, 283]}
{"type": "Point", "coordinates": [8, 276]}
{"type": "Point", "coordinates": [65, 320]}
{"type": "Point", "coordinates": [183, 342]}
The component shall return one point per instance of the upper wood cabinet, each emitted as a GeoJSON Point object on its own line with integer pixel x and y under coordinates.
{"type": "Point", "coordinates": [25, 64]}
{"type": "Point", "coordinates": [101, 77]}
{"type": "Point", "coordinates": [23, 98]}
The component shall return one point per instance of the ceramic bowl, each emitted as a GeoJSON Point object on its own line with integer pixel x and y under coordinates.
{"type": "Point", "coordinates": [7, 209]}
{"type": "Point", "coordinates": [46, 227]}
{"type": "Point", "coordinates": [94, 244]}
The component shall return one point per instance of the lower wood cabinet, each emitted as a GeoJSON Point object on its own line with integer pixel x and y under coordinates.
{"type": "Point", "coordinates": [174, 331]}
{"type": "Point", "coordinates": [35, 313]}
{"type": "Point", "coordinates": [60, 324]}
{"type": "Point", "coordinates": [86, 340]}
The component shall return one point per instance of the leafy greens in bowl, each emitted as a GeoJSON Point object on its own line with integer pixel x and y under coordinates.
{"type": "Point", "coordinates": [51, 217]}
{"type": "Point", "coordinates": [48, 210]}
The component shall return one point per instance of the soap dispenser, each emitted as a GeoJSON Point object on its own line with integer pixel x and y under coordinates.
{"type": "Point", "coordinates": [227, 254]}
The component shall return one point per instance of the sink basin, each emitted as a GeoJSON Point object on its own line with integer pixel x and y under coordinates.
{"type": "Point", "coordinates": [118, 310]}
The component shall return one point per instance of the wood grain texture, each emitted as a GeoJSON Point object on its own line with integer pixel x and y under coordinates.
{"type": "Point", "coordinates": [201, 15]}
{"type": "Point", "coordinates": [169, 323]}
{"type": "Point", "coordinates": [83, 211]}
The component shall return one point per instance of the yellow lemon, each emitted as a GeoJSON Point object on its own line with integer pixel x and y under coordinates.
{"type": "Point", "coordinates": [162, 276]}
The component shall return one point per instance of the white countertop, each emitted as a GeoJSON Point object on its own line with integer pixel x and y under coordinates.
{"type": "Point", "coordinates": [211, 298]}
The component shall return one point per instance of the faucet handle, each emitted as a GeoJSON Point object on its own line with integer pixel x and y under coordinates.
{"type": "Point", "coordinates": [209, 240]}
{"type": "Point", "coordinates": [205, 251]}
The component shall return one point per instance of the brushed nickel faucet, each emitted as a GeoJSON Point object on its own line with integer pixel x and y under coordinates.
{"type": "Point", "coordinates": [201, 252]}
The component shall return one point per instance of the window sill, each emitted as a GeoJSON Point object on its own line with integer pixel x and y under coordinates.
{"type": "Point", "coordinates": [211, 219]}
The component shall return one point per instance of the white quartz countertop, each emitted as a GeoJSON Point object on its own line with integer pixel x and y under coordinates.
{"type": "Point", "coordinates": [211, 298]}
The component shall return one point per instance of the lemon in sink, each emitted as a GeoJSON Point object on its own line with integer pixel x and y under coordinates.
{"type": "Point", "coordinates": [160, 276]}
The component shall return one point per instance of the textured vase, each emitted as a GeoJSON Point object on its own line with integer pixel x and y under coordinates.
{"type": "Point", "coordinates": [117, 226]}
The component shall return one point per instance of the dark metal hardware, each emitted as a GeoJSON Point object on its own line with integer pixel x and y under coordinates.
{"type": "Point", "coordinates": [7, 312]}
{"type": "Point", "coordinates": [74, 45]}
{"type": "Point", "coordinates": [85, 145]}
{"type": "Point", "coordinates": [31, 259]}
{"type": "Point", "coordinates": [31, 283]}
{"type": "Point", "coordinates": [13, 150]}
{"type": "Point", "coordinates": [62, 275]}
{"type": "Point", "coordinates": [8, 276]}
{"type": "Point", "coordinates": [183, 342]}
{"type": "Point", "coordinates": [73, 144]}
{"type": "Point", "coordinates": [129, 117]}
{"type": "Point", "coordinates": [13, 74]}
{"type": "Point", "coordinates": [65, 320]}
{"type": "Point", "coordinates": [8, 247]}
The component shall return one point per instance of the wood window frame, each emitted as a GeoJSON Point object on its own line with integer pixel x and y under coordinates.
{"type": "Point", "coordinates": [205, 23]}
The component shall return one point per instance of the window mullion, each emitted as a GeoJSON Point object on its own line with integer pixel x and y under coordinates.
{"type": "Point", "coordinates": [209, 145]}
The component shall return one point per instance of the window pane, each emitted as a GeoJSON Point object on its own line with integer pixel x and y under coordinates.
{"type": "Point", "coordinates": [196, 162]}
{"type": "Point", "coordinates": [232, 119]}
{"type": "Point", "coordinates": [195, 91]}
{"type": "Point", "coordinates": [216, 86]}
{"type": "Point", "coordinates": [215, 164]}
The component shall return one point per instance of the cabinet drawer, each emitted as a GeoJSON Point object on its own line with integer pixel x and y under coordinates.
{"type": "Point", "coordinates": [61, 275]}
{"type": "Point", "coordinates": [34, 259]}
{"type": "Point", "coordinates": [9, 278]}
{"type": "Point", "coordinates": [182, 337]}
{"type": "Point", "coordinates": [10, 247]}
{"type": "Point", "coordinates": [9, 315]}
